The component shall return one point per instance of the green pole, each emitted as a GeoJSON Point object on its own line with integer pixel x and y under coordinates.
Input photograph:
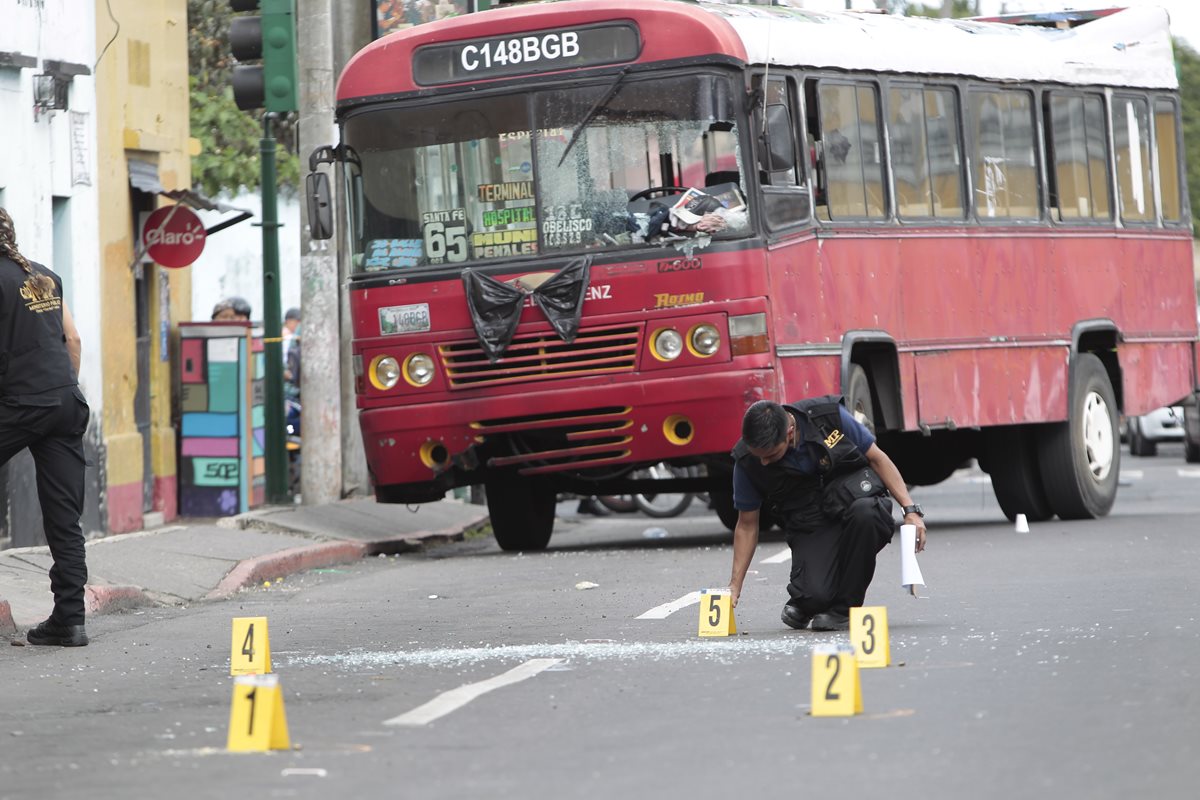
{"type": "Point", "coordinates": [276, 439]}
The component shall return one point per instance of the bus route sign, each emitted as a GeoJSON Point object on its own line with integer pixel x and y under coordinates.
{"type": "Point", "coordinates": [541, 51]}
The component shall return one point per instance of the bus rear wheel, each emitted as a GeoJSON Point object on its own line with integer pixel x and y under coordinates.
{"type": "Point", "coordinates": [1139, 445]}
{"type": "Point", "coordinates": [522, 512]}
{"type": "Point", "coordinates": [1012, 461]}
{"type": "Point", "coordinates": [1191, 432]}
{"type": "Point", "coordinates": [1081, 458]}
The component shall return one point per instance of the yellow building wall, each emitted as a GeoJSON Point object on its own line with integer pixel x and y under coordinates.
{"type": "Point", "coordinates": [142, 112]}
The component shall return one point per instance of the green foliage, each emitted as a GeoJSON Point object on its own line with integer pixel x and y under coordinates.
{"type": "Point", "coordinates": [229, 137]}
{"type": "Point", "coordinates": [1187, 63]}
{"type": "Point", "coordinates": [958, 9]}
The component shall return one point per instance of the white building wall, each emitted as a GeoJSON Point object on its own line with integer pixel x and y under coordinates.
{"type": "Point", "coordinates": [52, 154]}
{"type": "Point", "coordinates": [232, 260]}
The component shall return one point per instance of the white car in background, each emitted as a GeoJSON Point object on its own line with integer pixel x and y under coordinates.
{"type": "Point", "coordinates": [1160, 425]}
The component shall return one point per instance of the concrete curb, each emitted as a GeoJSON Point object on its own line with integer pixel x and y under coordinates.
{"type": "Point", "coordinates": [107, 599]}
{"type": "Point", "coordinates": [413, 542]}
{"type": "Point", "coordinates": [286, 562]}
{"type": "Point", "coordinates": [7, 625]}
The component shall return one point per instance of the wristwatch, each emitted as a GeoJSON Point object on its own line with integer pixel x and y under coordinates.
{"type": "Point", "coordinates": [915, 508]}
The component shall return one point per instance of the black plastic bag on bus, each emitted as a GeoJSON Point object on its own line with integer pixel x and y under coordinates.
{"type": "Point", "coordinates": [495, 309]}
{"type": "Point", "coordinates": [496, 306]}
{"type": "Point", "coordinates": [561, 297]}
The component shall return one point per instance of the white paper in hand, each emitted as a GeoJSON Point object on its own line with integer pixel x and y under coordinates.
{"type": "Point", "coordinates": [910, 570]}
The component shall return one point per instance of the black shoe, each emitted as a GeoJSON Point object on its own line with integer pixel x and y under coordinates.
{"type": "Point", "coordinates": [589, 505]}
{"type": "Point", "coordinates": [831, 621]}
{"type": "Point", "coordinates": [53, 634]}
{"type": "Point", "coordinates": [794, 617]}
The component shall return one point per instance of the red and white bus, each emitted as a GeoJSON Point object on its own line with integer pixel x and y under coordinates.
{"type": "Point", "coordinates": [584, 236]}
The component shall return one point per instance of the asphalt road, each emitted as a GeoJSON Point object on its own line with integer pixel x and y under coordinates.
{"type": "Point", "coordinates": [1055, 663]}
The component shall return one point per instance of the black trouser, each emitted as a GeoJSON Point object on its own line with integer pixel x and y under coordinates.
{"type": "Point", "coordinates": [833, 563]}
{"type": "Point", "coordinates": [54, 436]}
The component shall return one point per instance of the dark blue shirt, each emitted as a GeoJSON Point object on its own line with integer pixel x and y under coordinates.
{"type": "Point", "coordinates": [747, 498]}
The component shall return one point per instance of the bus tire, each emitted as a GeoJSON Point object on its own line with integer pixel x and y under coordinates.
{"type": "Point", "coordinates": [1081, 458]}
{"type": "Point", "coordinates": [521, 511]}
{"type": "Point", "coordinates": [1012, 461]}
{"type": "Point", "coordinates": [858, 397]}
{"type": "Point", "coordinates": [722, 503]}
{"type": "Point", "coordinates": [1139, 445]}
{"type": "Point", "coordinates": [1191, 433]}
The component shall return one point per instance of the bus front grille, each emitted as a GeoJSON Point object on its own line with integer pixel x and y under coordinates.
{"type": "Point", "coordinates": [543, 356]}
{"type": "Point", "coordinates": [562, 441]}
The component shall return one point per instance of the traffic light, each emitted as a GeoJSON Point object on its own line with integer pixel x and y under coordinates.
{"type": "Point", "coordinates": [271, 37]}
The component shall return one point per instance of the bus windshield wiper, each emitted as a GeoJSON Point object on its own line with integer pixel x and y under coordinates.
{"type": "Point", "coordinates": [592, 112]}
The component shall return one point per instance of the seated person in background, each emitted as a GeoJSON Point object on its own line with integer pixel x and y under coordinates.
{"type": "Point", "coordinates": [231, 308]}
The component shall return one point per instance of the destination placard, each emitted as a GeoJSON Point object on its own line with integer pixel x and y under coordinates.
{"type": "Point", "coordinates": [526, 53]}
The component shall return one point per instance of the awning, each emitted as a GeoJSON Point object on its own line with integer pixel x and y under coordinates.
{"type": "Point", "coordinates": [143, 176]}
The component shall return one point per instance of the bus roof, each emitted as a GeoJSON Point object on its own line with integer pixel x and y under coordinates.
{"type": "Point", "coordinates": [1129, 48]}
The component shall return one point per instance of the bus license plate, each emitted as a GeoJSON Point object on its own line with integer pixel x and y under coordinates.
{"type": "Point", "coordinates": [404, 319]}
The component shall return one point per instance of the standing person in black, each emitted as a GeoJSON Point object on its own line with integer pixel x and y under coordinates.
{"type": "Point", "coordinates": [42, 408]}
{"type": "Point", "coordinates": [786, 457]}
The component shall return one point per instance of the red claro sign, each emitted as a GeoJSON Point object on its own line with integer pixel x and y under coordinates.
{"type": "Point", "coordinates": [173, 236]}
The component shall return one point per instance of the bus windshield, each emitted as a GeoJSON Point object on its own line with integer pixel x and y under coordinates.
{"type": "Point", "coordinates": [552, 172]}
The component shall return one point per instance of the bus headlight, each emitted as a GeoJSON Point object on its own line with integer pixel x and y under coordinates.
{"type": "Point", "coordinates": [418, 369]}
{"type": "Point", "coordinates": [384, 372]}
{"type": "Point", "coordinates": [704, 340]}
{"type": "Point", "coordinates": [666, 344]}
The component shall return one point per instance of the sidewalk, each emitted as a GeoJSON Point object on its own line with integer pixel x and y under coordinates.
{"type": "Point", "coordinates": [189, 561]}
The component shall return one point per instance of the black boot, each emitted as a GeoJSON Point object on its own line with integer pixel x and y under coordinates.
{"type": "Point", "coordinates": [51, 633]}
{"type": "Point", "coordinates": [589, 505]}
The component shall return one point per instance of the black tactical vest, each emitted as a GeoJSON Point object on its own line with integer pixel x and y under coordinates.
{"type": "Point", "coordinates": [791, 495]}
{"type": "Point", "coordinates": [33, 355]}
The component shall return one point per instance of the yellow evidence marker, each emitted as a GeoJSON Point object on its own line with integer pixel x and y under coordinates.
{"type": "Point", "coordinates": [835, 688]}
{"type": "Point", "coordinates": [251, 650]}
{"type": "Point", "coordinates": [716, 613]}
{"type": "Point", "coordinates": [869, 635]}
{"type": "Point", "coordinates": [256, 718]}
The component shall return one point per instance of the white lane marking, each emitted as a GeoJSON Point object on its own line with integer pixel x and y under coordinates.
{"type": "Point", "coordinates": [1189, 472]}
{"type": "Point", "coordinates": [455, 699]}
{"type": "Point", "coordinates": [667, 609]}
{"type": "Point", "coordinates": [1132, 474]}
{"type": "Point", "coordinates": [779, 558]}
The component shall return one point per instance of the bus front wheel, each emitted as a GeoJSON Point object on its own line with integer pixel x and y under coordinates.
{"type": "Point", "coordinates": [522, 512]}
{"type": "Point", "coordinates": [1081, 458]}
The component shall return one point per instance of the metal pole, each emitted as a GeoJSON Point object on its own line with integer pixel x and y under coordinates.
{"type": "Point", "coordinates": [276, 440]}
{"type": "Point", "coordinates": [320, 289]}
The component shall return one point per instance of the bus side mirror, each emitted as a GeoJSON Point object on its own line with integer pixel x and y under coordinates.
{"type": "Point", "coordinates": [320, 217]}
{"type": "Point", "coordinates": [780, 150]}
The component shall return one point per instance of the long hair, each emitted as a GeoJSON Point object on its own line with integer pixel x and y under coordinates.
{"type": "Point", "coordinates": [8, 247]}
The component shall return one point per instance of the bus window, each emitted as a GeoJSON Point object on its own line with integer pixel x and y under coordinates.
{"type": "Point", "coordinates": [926, 163]}
{"type": "Point", "coordinates": [1003, 154]}
{"type": "Point", "coordinates": [1166, 159]}
{"type": "Point", "coordinates": [635, 157]}
{"type": "Point", "coordinates": [445, 184]}
{"type": "Point", "coordinates": [1131, 137]}
{"type": "Point", "coordinates": [1079, 180]}
{"type": "Point", "coordinates": [849, 152]}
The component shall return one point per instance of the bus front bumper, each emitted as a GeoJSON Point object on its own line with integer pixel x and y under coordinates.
{"type": "Point", "coordinates": [554, 429]}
